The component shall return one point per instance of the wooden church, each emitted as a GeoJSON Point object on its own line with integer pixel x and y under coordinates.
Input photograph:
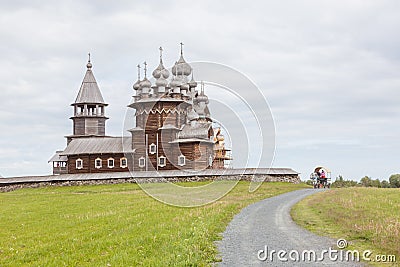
{"type": "Point", "coordinates": [174, 129]}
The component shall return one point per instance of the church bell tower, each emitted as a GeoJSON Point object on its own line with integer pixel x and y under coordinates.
{"type": "Point", "coordinates": [89, 118]}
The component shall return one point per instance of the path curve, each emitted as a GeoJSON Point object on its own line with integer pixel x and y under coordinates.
{"type": "Point", "coordinates": [268, 223]}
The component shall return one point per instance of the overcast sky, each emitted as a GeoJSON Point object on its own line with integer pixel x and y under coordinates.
{"type": "Point", "coordinates": [330, 71]}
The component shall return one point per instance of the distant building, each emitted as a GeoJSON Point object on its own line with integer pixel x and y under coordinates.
{"type": "Point", "coordinates": [173, 127]}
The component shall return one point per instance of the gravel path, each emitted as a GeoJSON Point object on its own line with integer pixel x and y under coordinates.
{"type": "Point", "coordinates": [267, 224]}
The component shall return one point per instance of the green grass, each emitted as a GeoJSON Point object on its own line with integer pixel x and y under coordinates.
{"type": "Point", "coordinates": [115, 225]}
{"type": "Point", "coordinates": [368, 218]}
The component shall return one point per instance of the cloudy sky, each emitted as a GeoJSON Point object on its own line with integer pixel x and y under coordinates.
{"type": "Point", "coordinates": [330, 71]}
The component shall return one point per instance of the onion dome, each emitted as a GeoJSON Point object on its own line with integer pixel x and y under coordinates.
{"type": "Point", "coordinates": [161, 82]}
{"type": "Point", "coordinates": [181, 66]}
{"type": "Point", "coordinates": [184, 67]}
{"type": "Point", "coordinates": [202, 97]}
{"type": "Point", "coordinates": [176, 82]}
{"type": "Point", "coordinates": [192, 82]}
{"type": "Point", "coordinates": [165, 73]}
{"type": "Point", "coordinates": [157, 72]}
{"type": "Point", "coordinates": [136, 85]}
{"type": "Point", "coordinates": [161, 72]}
{"type": "Point", "coordinates": [145, 83]}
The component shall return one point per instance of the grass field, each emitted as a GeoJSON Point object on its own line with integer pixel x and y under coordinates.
{"type": "Point", "coordinates": [368, 218]}
{"type": "Point", "coordinates": [115, 225]}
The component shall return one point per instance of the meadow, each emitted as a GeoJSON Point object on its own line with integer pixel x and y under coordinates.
{"type": "Point", "coordinates": [368, 218]}
{"type": "Point", "coordinates": [115, 225]}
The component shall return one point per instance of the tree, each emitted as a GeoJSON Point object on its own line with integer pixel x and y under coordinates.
{"type": "Point", "coordinates": [385, 184]}
{"type": "Point", "coordinates": [376, 183]}
{"type": "Point", "coordinates": [366, 181]}
{"type": "Point", "coordinates": [340, 182]}
{"type": "Point", "coordinates": [394, 180]}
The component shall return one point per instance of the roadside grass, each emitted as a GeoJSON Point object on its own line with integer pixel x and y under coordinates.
{"type": "Point", "coordinates": [115, 225]}
{"type": "Point", "coordinates": [368, 218]}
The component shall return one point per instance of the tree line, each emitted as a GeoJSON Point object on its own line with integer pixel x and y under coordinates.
{"type": "Point", "coordinates": [394, 182]}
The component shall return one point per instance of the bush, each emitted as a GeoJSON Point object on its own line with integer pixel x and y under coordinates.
{"type": "Point", "coordinates": [340, 182]}
{"type": "Point", "coordinates": [394, 180]}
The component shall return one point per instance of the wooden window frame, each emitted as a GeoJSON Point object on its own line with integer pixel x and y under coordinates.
{"type": "Point", "coordinates": [180, 157]}
{"type": "Point", "coordinates": [123, 165]}
{"type": "Point", "coordinates": [80, 167]}
{"type": "Point", "coordinates": [108, 163]}
{"type": "Point", "coordinates": [159, 161]}
{"type": "Point", "coordinates": [101, 163]}
{"type": "Point", "coordinates": [151, 146]}
{"type": "Point", "coordinates": [144, 162]}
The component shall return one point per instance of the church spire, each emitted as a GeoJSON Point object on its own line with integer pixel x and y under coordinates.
{"type": "Point", "coordinates": [89, 91]}
{"type": "Point", "coordinates": [89, 108]}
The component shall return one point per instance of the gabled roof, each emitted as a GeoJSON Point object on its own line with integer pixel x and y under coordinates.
{"type": "Point", "coordinates": [58, 157]}
{"type": "Point", "coordinates": [98, 145]}
{"type": "Point", "coordinates": [199, 130]}
{"type": "Point", "coordinates": [89, 93]}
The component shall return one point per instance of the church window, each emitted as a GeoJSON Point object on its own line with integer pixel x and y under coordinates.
{"type": "Point", "coordinates": [181, 160]}
{"type": "Point", "coordinates": [210, 160]}
{"type": "Point", "coordinates": [142, 162]}
{"type": "Point", "coordinates": [123, 163]}
{"type": "Point", "coordinates": [110, 163]}
{"type": "Point", "coordinates": [98, 163]}
{"type": "Point", "coordinates": [153, 148]}
{"type": "Point", "coordinates": [162, 161]}
{"type": "Point", "coordinates": [79, 164]}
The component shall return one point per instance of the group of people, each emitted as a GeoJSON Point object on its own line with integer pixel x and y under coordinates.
{"type": "Point", "coordinates": [319, 178]}
{"type": "Point", "coordinates": [318, 175]}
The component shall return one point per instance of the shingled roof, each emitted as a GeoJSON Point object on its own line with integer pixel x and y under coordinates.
{"type": "Point", "coordinates": [89, 93]}
{"type": "Point", "coordinates": [57, 157]}
{"type": "Point", "coordinates": [198, 130]}
{"type": "Point", "coordinates": [98, 145]}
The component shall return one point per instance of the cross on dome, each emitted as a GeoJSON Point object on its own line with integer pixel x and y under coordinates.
{"type": "Point", "coordinates": [161, 50]}
{"type": "Point", "coordinates": [145, 69]}
{"type": "Point", "coordinates": [89, 64]}
{"type": "Point", "coordinates": [138, 71]}
{"type": "Point", "coordinates": [181, 47]}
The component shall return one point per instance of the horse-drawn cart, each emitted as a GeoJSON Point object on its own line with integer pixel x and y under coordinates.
{"type": "Point", "coordinates": [321, 177]}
